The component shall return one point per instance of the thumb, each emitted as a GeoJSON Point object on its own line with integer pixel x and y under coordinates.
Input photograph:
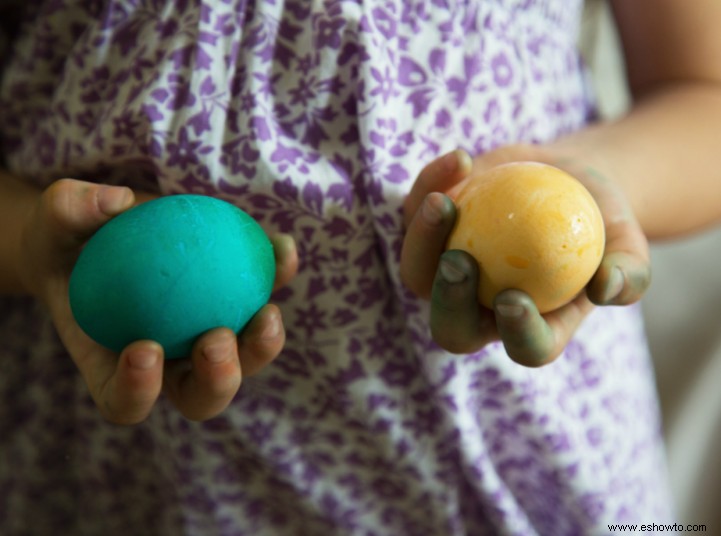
{"type": "Point", "coordinates": [73, 210]}
{"type": "Point", "coordinates": [67, 214]}
{"type": "Point", "coordinates": [439, 176]}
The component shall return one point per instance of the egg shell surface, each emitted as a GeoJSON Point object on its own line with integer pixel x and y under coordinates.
{"type": "Point", "coordinates": [531, 227]}
{"type": "Point", "coordinates": [169, 270]}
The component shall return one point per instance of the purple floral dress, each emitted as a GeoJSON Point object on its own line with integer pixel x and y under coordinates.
{"type": "Point", "coordinates": [316, 116]}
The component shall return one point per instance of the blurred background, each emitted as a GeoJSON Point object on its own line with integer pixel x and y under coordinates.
{"type": "Point", "coordinates": [683, 317]}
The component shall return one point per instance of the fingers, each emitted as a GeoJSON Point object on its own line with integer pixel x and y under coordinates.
{"type": "Point", "coordinates": [532, 339]}
{"type": "Point", "coordinates": [76, 209]}
{"type": "Point", "coordinates": [124, 388]}
{"type": "Point", "coordinates": [459, 323]}
{"type": "Point", "coordinates": [286, 259]}
{"type": "Point", "coordinates": [262, 340]}
{"type": "Point", "coordinates": [625, 271]}
{"type": "Point", "coordinates": [67, 214]}
{"type": "Point", "coordinates": [438, 176]}
{"type": "Point", "coordinates": [203, 386]}
{"type": "Point", "coordinates": [424, 243]}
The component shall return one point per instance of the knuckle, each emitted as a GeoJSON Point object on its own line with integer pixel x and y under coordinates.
{"type": "Point", "coordinates": [56, 197]}
{"type": "Point", "coordinates": [637, 283]}
{"type": "Point", "coordinates": [414, 275]}
{"type": "Point", "coordinates": [211, 403]}
{"type": "Point", "coordinates": [223, 390]}
{"type": "Point", "coordinates": [69, 201]}
{"type": "Point", "coordinates": [454, 344]}
{"type": "Point", "coordinates": [61, 187]}
{"type": "Point", "coordinates": [532, 358]}
{"type": "Point", "coordinates": [60, 191]}
{"type": "Point", "coordinates": [410, 281]}
{"type": "Point", "coordinates": [446, 340]}
{"type": "Point", "coordinates": [117, 416]}
{"type": "Point", "coordinates": [458, 335]}
{"type": "Point", "coordinates": [452, 300]}
{"type": "Point", "coordinates": [219, 388]}
{"type": "Point", "coordinates": [193, 414]}
{"type": "Point", "coordinates": [532, 348]}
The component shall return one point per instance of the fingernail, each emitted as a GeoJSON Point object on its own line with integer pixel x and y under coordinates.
{"type": "Point", "coordinates": [465, 162]}
{"type": "Point", "coordinates": [284, 243]}
{"type": "Point", "coordinates": [431, 212]}
{"type": "Point", "coordinates": [451, 273]}
{"type": "Point", "coordinates": [510, 311]}
{"type": "Point", "coordinates": [272, 328]}
{"type": "Point", "coordinates": [143, 359]}
{"type": "Point", "coordinates": [614, 286]}
{"type": "Point", "coordinates": [114, 199]}
{"type": "Point", "coordinates": [219, 351]}
{"type": "Point", "coordinates": [455, 160]}
{"type": "Point", "coordinates": [450, 161]}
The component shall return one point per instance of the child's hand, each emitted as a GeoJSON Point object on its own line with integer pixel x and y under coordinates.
{"type": "Point", "coordinates": [125, 387]}
{"type": "Point", "coordinates": [449, 279]}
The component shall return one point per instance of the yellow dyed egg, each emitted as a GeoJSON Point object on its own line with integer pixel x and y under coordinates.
{"type": "Point", "coordinates": [531, 227]}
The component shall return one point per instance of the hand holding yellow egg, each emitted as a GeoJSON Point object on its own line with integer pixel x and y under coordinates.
{"type": "Point", "coordinates": [530, 227]}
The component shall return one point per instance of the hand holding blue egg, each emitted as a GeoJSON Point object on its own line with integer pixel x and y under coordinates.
{"type": "Point", "coordinates": [169, 270]}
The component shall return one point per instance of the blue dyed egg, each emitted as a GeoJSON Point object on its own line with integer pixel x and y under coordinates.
{"type": "Point", "coordinates": [169, 270]}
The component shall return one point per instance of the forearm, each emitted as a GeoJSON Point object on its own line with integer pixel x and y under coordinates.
{"type": "Point", "coordinates": [662, 155]}
{"type": "Point", "coordinates": [16, 200]}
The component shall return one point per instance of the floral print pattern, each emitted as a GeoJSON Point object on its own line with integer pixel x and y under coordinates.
{"type": "Point", "coordinates": [315, 117]}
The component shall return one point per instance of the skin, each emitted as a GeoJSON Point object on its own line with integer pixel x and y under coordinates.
{"type": "Point", "coordinates": [654, 174]}
{"type": "Point", "coordinates": [458, 322]}
{"type": "Point", "coordinates": [45, 240]}
{"type": "Point", "coordinates": [656, 161]}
